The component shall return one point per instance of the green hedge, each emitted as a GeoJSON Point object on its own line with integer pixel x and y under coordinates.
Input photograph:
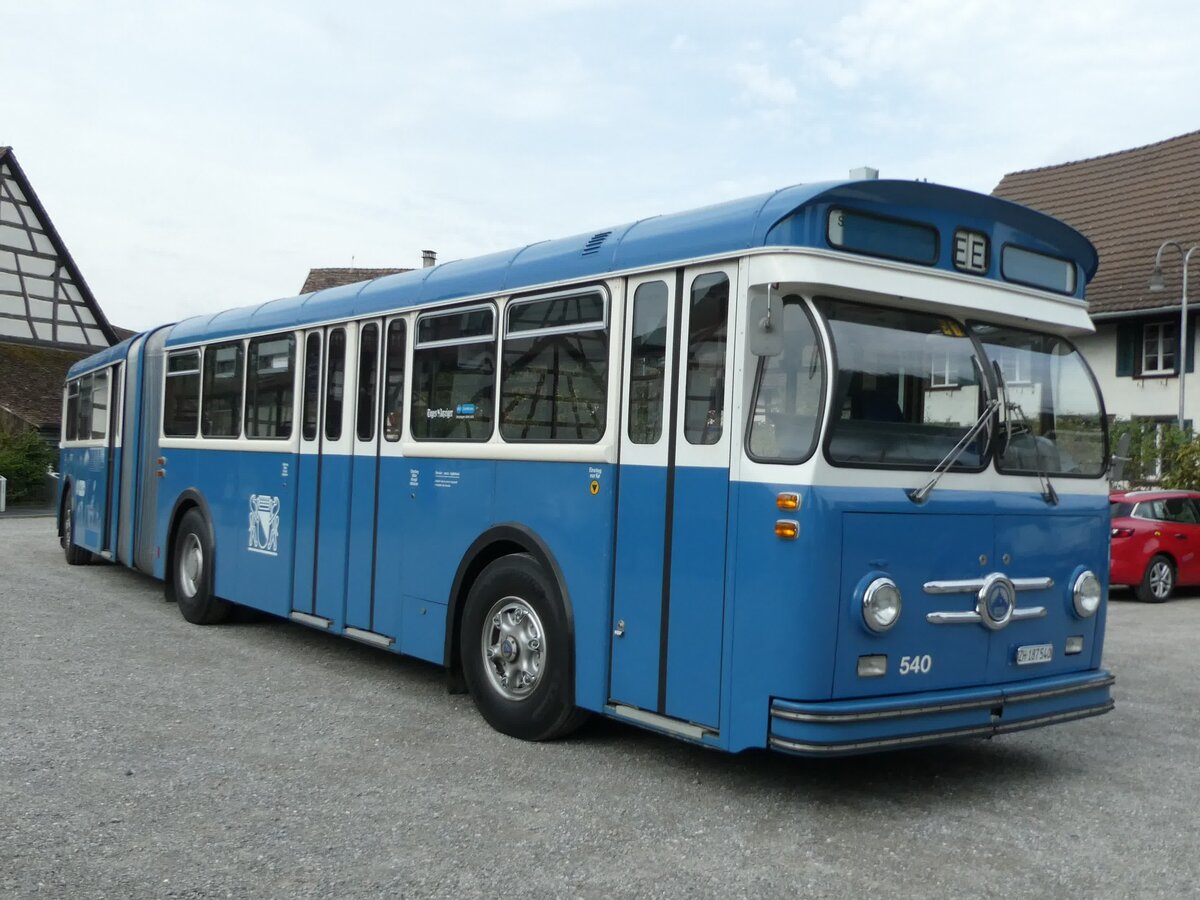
{"type": "Point", "coordinates": [1178, 449]}
{"type": "Point", "coordinates": [24, 459]}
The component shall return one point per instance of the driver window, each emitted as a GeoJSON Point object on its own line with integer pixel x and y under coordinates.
{"type": "Point", "coordinates": [788, 392]}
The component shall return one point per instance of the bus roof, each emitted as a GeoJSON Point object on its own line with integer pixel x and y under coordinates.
{"type": "Point", "coordinates": [102, 358]}
{"type": "Point", "coordinates": [792, 217]}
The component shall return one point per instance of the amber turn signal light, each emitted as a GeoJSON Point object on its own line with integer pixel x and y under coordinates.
{"type": "Point", "coordinates": [787, 529]}
{"type": "Point", "coordinates": [788, 501]}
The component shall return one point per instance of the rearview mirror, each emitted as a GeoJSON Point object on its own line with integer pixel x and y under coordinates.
{"type": "Point", "coordinates": [766, 324]}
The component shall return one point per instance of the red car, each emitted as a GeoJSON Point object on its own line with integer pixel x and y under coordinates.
{"type": "Point", "coordinates": [1155, 541]}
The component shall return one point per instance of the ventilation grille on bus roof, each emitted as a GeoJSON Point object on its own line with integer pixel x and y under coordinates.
{"type": "Point", "coordinates": [592, 247]}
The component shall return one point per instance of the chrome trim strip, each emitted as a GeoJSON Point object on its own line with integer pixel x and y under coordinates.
{"type": "Point", "coordinates": [661, 723]}
{"type": "Point", "coordinates": [972, 585]}
{"type": "Point", "coordinates": [838, 718]}
{"type": "Point", "coordinates": [1071, 716]}
{"type": "Point", "coordinates": [938, 736]}
{"type": "Point", "coordinates": [778, 743]}
{"type": "Point", "coordinates": [1105, 682]}
{"type": "Point", "coordinates": [369, 637]}
{"type": "Point", "coordinates": [953, 618]}
{"type": "Point", "coordinates": [981, 703]}
{"type": "Point", "coordinates": [306, 619]}
{"type": "Point", "coordinates": [970, 616]}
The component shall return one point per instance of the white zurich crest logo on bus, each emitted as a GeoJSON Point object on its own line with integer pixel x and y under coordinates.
{"type": "Point", "coordinates": [264, 524]}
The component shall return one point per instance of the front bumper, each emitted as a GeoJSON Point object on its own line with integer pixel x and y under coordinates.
{"type": "Point", "coordinates": [833, 728]}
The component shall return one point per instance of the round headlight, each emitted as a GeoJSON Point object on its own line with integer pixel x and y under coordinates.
{"type": "Point", "coordinates": [1086, 594]}
{"type": "Point", "coordinates": [881, 604]}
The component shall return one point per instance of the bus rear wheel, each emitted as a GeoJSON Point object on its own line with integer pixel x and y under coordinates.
{"type": "Point", "coordinates": [192, 572]}
{"type": "Point", "coordinates": [516, 651]}
{"type": "Point", "coordinates": [76, 555]}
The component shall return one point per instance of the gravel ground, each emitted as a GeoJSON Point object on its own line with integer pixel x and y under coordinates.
{"type": "Point", "coordinates": [144, 757]}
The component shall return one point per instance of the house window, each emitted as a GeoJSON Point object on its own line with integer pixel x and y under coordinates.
{"type": "Point", "coordinates": [942, 374]}
{"type": "Point", "coordinates": [1013, 362]}
{"type": "Point", "coordinates": [1159, 345]}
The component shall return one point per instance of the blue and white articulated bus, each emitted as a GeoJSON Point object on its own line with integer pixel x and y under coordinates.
{"type": "Point", "coordinates": [818, 470]}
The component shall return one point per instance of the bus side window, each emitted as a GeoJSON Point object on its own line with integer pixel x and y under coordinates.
{"type": "Point", "coordinates": [181, 395]}
{"type": "Point", "coordinates": [312, 386]}
{"type": "Point", "coordinates": [335, 384]}
{"type": "Point", "coordinates": [454, 376]}
{"type": "Point", "coordinates": [221, 404]}
{"type": "Point", "coordinates": [98, 429]}
{"type": "Point", "coordinates": [648, 363]}
{"type": "Point", "coordinates": [704, 396]}
{"type": "Point", "coordinates": [83, 421]}
{"type": "Point", "coordinates": [555, 369]}
{"type": "Point", "coordinates": [368, 374]}
{"type": "Point", "coordinates": [72, 422]}
{"type": "Point", "coordinates": [269, 387]}
{"type": "Point", "coordinates": [393, 401]}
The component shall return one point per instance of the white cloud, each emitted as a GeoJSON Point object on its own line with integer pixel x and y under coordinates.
{"type": "Point", "coordinates": [761, 87]}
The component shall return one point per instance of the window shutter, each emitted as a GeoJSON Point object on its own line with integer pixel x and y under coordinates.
{"type": "Point", "coordinates": [1127, 341]}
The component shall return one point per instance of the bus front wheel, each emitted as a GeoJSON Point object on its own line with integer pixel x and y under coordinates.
{"type": "Point", "coordinates": [76, 555]}
{"type": "Point", "coordinates": [192, 572]}
{"type": "Point", "coordinates": [516, 651]}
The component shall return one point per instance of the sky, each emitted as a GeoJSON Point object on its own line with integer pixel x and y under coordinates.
{"type": "Point", "coordinates": [197, 156]}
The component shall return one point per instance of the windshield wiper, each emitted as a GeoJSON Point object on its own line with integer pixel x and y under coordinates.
{"type": "Point", "coordinates": [921, 494]}
{"type": "Point", "coordinates": [1048, 493]}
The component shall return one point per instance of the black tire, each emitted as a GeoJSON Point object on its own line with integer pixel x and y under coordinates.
{"type": "Point", "coordinates": [76, 555]}
{"type": "Point", "coordinates": [1158, 582]}
{"type": "Point", "coordinates": [191, 572]}
{"type": "Point", "coordinates": [524, 686]}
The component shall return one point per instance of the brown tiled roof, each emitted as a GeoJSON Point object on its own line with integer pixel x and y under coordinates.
{"type": "Point", "coordinates": [319, 279]}
{"type": "Point", "coordinates": [31, 381]}
{"type": "Point", "coordinates": [1127, 204]}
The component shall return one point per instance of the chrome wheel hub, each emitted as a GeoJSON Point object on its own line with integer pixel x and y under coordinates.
{"type": "Point", "coordinates": [1160, 579]}
{"type": "Point", "coordinates": [191, 565]}
{"type": "Point", "coordinates": [514, 649]}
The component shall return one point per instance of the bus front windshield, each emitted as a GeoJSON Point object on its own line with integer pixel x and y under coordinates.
{"type": "Point", "coordinates": [909, 387]}
{"type": "Point", "coordinates": [1051, 420]}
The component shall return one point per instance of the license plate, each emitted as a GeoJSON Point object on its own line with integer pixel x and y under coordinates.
{"type": "Point", "coordinates": [1035, 653]}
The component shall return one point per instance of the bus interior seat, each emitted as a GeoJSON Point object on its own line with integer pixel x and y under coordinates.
{"type": "Point", "coordinates": [875, 406]}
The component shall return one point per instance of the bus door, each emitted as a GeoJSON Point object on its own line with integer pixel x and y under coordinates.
{"type": "Point", "coordinates": [130, 409]}
{"type": "Point", "coordinates": [669, 586]}
{"type": "Point", "coordinates": [147, 555]}
{"type": "Point", "coordinates": [393, 485]}
{"type": "Point", "coordinates": [324, 477]}
{"type": "Point", "coordinates": [116, 393]}
{"type": "Point", "coordinates": [364, 498]}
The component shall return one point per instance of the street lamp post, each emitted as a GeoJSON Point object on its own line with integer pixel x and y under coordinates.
{"type": "Point", "coordinates": [1156, 284]}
